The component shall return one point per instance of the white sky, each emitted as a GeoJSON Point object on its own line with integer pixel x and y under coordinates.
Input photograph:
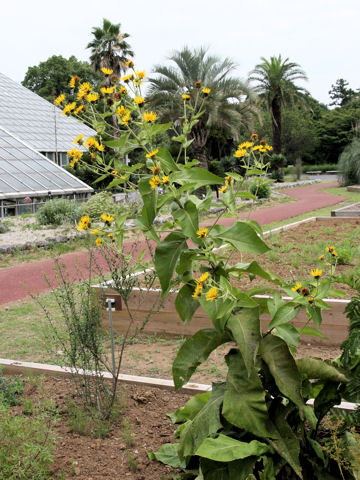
{"type": "Point", "coordinates": [320, 35]}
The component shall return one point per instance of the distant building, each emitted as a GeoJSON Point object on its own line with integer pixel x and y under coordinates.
{"type": "Point", "coordinates": [34, 140]}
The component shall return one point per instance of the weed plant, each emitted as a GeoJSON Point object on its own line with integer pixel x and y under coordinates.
{"type": "Point", "coordinates": [58, 211]}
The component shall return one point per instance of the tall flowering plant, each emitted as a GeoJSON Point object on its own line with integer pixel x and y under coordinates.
{"type": "Point", "coordinates": [253, 424]}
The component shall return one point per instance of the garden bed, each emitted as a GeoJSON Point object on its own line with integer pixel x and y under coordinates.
{"type": "Point", "coordinates": [295, 251]}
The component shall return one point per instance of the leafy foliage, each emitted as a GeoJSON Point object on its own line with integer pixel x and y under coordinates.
{"type": "Point", "coordinates": [349, 163]}
{"type": "Point", "coordinates": [10, 389]}
{"type": "Point", "coordinates": [58, 211]}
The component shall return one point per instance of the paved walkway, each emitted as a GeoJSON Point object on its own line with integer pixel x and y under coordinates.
{"type": "Point", "coordinates": [17, 282]}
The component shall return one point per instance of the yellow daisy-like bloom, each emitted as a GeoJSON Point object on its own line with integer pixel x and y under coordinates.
{"type": "Point", "coordinates": [149, 117]}
{"type": "Point", "coordinates": [84, 223]}
{"type": "Point", "coordinates": [140, 73]}
{"type": "Point", "coordinates": [69, 108]}
{"type": "Point", "coordinates": [129, 63]}
{"type": "Point", "coordinates": [257, 148]}
{"type": "Point", "coordinates": [206, 91]}
{"type": "Point", "coordinates": [245, 145]}
{"type": "Point", "coordinates": [121, 110]}
{"type": "Point", "coordinates": [78, 139]}
{"type": "Point", "coordinates": [297, 287]}
{"type": "Point", "coordinates": [92, 97]}
{"type": "Point", "coordinates": [114, 172]}
{"type": "Point", "coordinates": [84, 88]}
{"type": "Point", "coordinates": [73, 162]}
{"type": "Point", "coordinates": [154, 182]}
{"type": "Point", "coordinates": [185, 96]}
{"type": "Point", "coordinates": [123, 90]}
{"type": "Point", "coordinates": [75, 153]}
{"type": "Point", "coordinates": [91, 143]}
{"type": "Point", "coordinates": [139, 100]}
{"type": "Point", "coordinates": [125, 119]}
{"type": "Point", "coordinates": [152, 153]}
{"type": "Point", "coordinates": [59, 99]}
{"type": "Point", "coordinates": [254, 136]}
{"type": "Point", "coordinates": [316, 273]}
{"type": "Point", "coordinates": [197, 290]}
{"type": "Point", "coordinates": [155, 169]}
{"type": "Point", "coordinates": [212, 294]}
{"type": "Point", "coordinates": [127, 78]}
{"type": "Point", "coordinates": [202, 279]}
{"type": "Point", "coordinates": [100, 147]}
{"type": "Point", "coordinates": [321, 257]}
{"type": "Point", "coordinates": [73, 81]}
{"type": "Point", "coordinates": [268, 148]}
{"type": "Point", "coordinates": [110, 235]}
{"type": "Point", "coordinates": [98, 241]}
{"type": "Point", "coordinates": [107, 218]}
{"type": "Point", "coordinates": [310, 299]}
{"type": "Point", "coordinates": [330, 249]}
{"type": "Point", "coordinates": [107, 71]}
{"type": "Point", "coordinates": [334, 253]}
{"type": "Point", "coordinates": [165, 179]}
{"type": "Point", "coordinates": [240, 153]}
{"type": "Point", "coordinates": [202, 232]}
{"type": "Point", "coordinates": [79, 109]}
{"type": "Point", "coordinates": [223, 189]}
{"type": "Point", "coordinates": [95, 231]}
{"type": "Point", "coordinates": [107, 90]}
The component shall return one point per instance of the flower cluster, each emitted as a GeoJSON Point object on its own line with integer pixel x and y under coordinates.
{"type": "Point", "coordinates": [84, 223]}
{"type": "Point", "coordinates": [200, 282]}
{"type": "Point", "coordinates": [228, 181]}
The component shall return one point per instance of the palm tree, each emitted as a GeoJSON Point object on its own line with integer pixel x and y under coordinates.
{"type": "Point", "coordinates": [230, 103]}
{"type": "Point", "coordinates": [109, 48]}
{"type": "Point", "coordinates": [276, 85]}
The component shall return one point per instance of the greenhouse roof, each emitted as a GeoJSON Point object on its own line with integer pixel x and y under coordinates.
{"type": "Point", "coordinates": [35, 120]}
{"type": "Point", "coordinates": [26, 172]}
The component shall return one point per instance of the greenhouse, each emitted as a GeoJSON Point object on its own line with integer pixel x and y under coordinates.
{"type": "Point", "coordinates": [34, 140]}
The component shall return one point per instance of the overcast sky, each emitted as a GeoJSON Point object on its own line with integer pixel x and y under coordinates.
{"type": "Point", "coordinates": [320, 35]}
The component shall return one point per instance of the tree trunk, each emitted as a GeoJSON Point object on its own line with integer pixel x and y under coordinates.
{"type": "Point", "coordinates": [200, 135]}
{"type": "Point", "coordinates": [276, 125]}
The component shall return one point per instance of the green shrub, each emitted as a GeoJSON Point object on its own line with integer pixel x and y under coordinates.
{"type": "Point", "coordinates": [99, 203]}
{"type": "Point", "coordinates": [260, 188]}
{"type": "Point", "coordinates": [58, 211]}
{"type": "Point", "coordinates": [10, 389]}
{"type": "Point", "coordinates": [320, 168]}
{"type": "Point", "coordinates": [4, 228]}
{"type": "Point", "coordinates": [349, 163]}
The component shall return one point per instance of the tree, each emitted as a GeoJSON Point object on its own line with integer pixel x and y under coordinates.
{"type": "Point", "coordinates": [229, 103]}
{"type": "Point", "coordinates": [349, 163]}
{"type": "Point", "coordinates": [340, 94]}
{"type": "Point", "coordinates": [109, 48]}
{"type": "Point", "coordinates": [276, 85]}
{"type": "Point", "coordinates": [51, 78]}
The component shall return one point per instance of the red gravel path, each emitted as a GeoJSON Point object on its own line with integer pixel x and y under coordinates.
{"type": "Point", "coordinates": [16, 282]}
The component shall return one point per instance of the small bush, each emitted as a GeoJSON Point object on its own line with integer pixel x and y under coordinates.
{"type": "Point", "coordinates": [4, 228]}
{"type": "Point", "coordinates": [58, 211]}
{"type": "Point", "coordinates": [349, 163]}
{"type": "Point", "coordinates": [10, 389]}
{"type": "Point", "coordinates": [100, 203]}
{"type": "Point", "coordinates": [260, 188]}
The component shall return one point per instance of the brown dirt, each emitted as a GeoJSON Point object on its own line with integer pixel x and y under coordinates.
{"type": "Point", "coordinates": [86, 458]}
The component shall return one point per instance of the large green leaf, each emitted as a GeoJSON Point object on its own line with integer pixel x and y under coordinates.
{"type": "Point", "coordinates": [155, 129]}
{"type": "Point", "coordinates": [314, 368]}
{"type": "Point", "coordinates": [195, 176]}
{"type": "Point", "coordinates": [193, 352]}
{"type": "Point", "coordinates": [166, 161]}
{"type": "Point", "coordinates": [242, 469]}
{"type": "Point", "coordinates": [254, 268]}
{"type": "Point", "coordinates": [329, 396]}
{"type": "Point", "coordinates": [288, 333]}
{"type": "Point", "coordinates": [191, 408]}
{"type": "Point", "coordinates": [148, 196]}
{"type": "Point", "coordinates": [185, 304]}
{"type": "Point", "coordinates": [242, 236]}
{"type": "Point", "coordinates": [119, 143]}
{"type": "Point", "coordinates": [210, 470]}
{"type": "Point", "coordinates": [168, 454]}
{"type": "Point", "coordinates": [166, 256]}
{"type": "Point", "coordinates": [245, 328]}
{"type": "Point", "coordinates": [205, 423]}
{"type": "Point", "coordinates": [244, 400]}
{"type": "Point", "coordinates": [276, 354]}
{"type": "Point", "coordinates": [188, 219]}
{"type": "Point", "coordinates": [284, 314]}
{"type": "Point", "coordinates": [227, 449]}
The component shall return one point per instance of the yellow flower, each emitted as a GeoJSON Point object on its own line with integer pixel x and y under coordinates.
{"type": "Point", "coordinates": [125, 119]}
{"type": "Point", "coordinates": [202, 279]}
{"type": "Point", "coordinates": [268, 148]}
{"type": "Point", "coordinates": [254, 136]}
{"type": "Point", "coordinates": [316, 273]}
{"type": "Point", "coordinates": [310, 299]}
{"type": "Point", "coordinates": [92, 97]}
{"type": "Point", "coordinates": [84, 223]}
{"type": "Point", "coordinates": [83, 90]}
{"type": "Point", "coordinates": [297, 287]}
{"type": "Point", "coordinates": [95, 231]}
{"type": "Point", "coordinates": [114, 172]}
{"type": "Point", "coordinates": [75, 153]}
{"type": "Point", "coordinates": [206, 91]}
{"type": "Point", "coordinates": [59, 99]}
{"type": "Point", "coordinates": [107, 71]}
{"type": "Point", "coordinates": [123, 90]}
{"type": "Point", "coordinates": [123, 177]}
{"type": "Point", "coordinates": [150, 116]}
{"type": "Point", "coordinates": [154, 182]}
{"type": "Point", "coordinates": [223, 189]}
{"type": "Point", "coordinates": [79, 138]}
{"type": "Point", "coordinates": [202, 233]}
{"type": "Point", "coordinates": [334, 253]}
{"type": "Point", "coordinates": [107, 90]}
{"type": "Point", "coordinates": [139, 100]}
{"type": "Point", "coordinates": [73, 81]}
{"type": "Point", "coordinates": [211, 294]}
{"type": "Point", "coordinates": [155, 169]}
{"type": "Point", "coordinates": [110, 235]}
{"type": "Point", "coordinates": [90, 142]}
{"type": "Point", "coordinates": [68, 108]}
{"type": "Point", "coordinates": [98, 241]}
{"type": "Point", "coordinates": [79, 109]}
{"type": "Point", "coordinates": [197, 290]}
{"type": "Point", "coordinates": [121, 110]}
{"type": "Point", "coordinates": [321, 257]}
{"type": "Point", "coordinates": [129, 63]}
{"type": "Point", "coordinates": [257, 147]}
{"type": "Point", "coordinates": [73, 162]}
{"type": "Point", "coordinates": [152, 153]}
{"type": "Point", "coordinates": [141, 73]}
{"type": "Point", "coordinates": [185, 96]}
{"type": "Point", "coordinates": [330, 249]}
{"type": "Point", "coordinates": [245, 145]}
{"type": "Point", "coordinates": [107, 218]}
{"type": "Point", "coordinates": [165, 179]}
{"type": "Point", "coordinates": [127, 78]}
{"type": "Point", "coordinates": [240, 153]}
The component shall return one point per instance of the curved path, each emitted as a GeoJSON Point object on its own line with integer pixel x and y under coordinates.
{"type": "Point", "coordinates": [17, 282]}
